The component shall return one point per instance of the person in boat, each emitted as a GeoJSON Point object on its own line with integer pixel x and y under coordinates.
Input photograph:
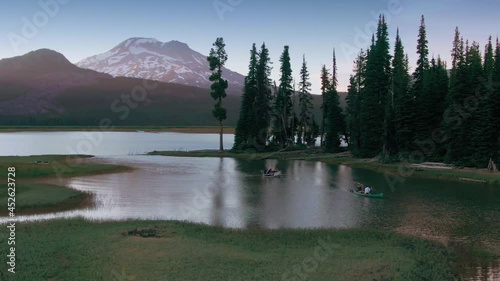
{"type": "Point", "coordinates": [368, 190]}
{"type": "Point", "coordinates": [360, 187]}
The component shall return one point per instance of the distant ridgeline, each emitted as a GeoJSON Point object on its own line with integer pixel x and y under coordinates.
{"type": "Point", "coordinates": [43, 88]}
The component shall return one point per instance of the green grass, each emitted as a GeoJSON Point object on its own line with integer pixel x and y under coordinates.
{"type": "Point", "coordinates": [58, 165]}
{"type": "Point", "coordinates": [43, 198]}
{"type": "Point", "coordinates": [78, 250]}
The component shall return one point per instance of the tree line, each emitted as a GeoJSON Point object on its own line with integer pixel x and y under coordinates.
{"type": "Point", "coordinates": [433, 114]}
{"type": "Point", "coordinates": [279, 116]}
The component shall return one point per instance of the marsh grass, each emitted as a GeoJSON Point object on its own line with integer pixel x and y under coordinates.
{"type": "Point", "coordinates": [80, 250]}
{"type": "Point", "coordinates": [35, 198]}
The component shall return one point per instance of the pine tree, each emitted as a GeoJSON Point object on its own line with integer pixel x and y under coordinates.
{"type": "Point", "coordinates": [423, 60]}
{"type": "Point", "coordinates": [432, 103]}
{"type": "Point", "coordinates": [294, 120]}
{"type": "Point", "coordinates": [352, 116]}
{"type": "Point", "coordinates": [354, 97]}
{"type": "Point", "coordinates": [217, 58]}
{"type": "Point", "coordinates": [283, 103]}
{"type": "Point", "coordinates": [335, 116]}
{"type": "Point", "coordinates": [377, 87]}
{"type": "Point", "coordinates": [483, 135]}
{"type": "Point", "coordinates": [325, 93]}
{"type": "Point", "coordinates": [390, 146]}
{"type": "Point", "coordinates": [473, 74]}
{"type": "Point", "coordinates": [440, 93]}
{"type": "Point", "coordinates": [245, 129]}
{"type": "Point", "coordinates": [305, 105]}
{"type": "Point", "coordinates": [263, 99]}
{"type": "Point", "coordinates": [404, 111]}
{"type": "Point", "coordinates": [457, 94]}
{"type": "Point", "coordinates": [419, 93]}
{"type": "Point", "coordinates": [489, 60]}
{"type": "Point", "coordinates": [495, 98]}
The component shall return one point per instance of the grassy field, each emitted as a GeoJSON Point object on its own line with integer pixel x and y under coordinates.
{"type": "Point", "coordinates": [78, 250]}
{"type": "Point", "coordinates": [395, 169]}
{"type": "Point", "coordinates": [191, 130]}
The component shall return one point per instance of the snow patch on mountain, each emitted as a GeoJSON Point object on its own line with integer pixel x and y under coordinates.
{"type": "Point", "coordinates": [148, 58]}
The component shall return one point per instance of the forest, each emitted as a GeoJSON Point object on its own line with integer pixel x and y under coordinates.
{"type": "Point", "coordinates": [437, 113]}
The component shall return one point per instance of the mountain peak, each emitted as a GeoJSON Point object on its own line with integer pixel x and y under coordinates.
{"type": "Point", "coordinates": [46, 55]}
{"type": "Point", "coordinates": [144, 42]}
{"type": "Point", "coordinates": [136, 41]}
{"type": "Point", "coordinates": [39, 61]}
{"type": "Point", "coordinates": [174, 44]}
{"type": "Point", "coordinates": [148, 58]}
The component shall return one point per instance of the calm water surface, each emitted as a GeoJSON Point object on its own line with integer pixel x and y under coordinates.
{"type": "Point", "coordinates": [231, 193]}
{"type": "Point", "coordinates": [104, 143]}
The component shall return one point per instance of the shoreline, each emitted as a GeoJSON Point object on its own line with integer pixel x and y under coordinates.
{"type": "Point", "coordinates": [42, 189]}
{"type": "Point", "coordinates": [475, 176]}
{"type": "Point", "coordinates": [148, 129]}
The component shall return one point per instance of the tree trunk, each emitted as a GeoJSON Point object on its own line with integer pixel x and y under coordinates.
{"type": "Point", "coordinates": [221, 136]}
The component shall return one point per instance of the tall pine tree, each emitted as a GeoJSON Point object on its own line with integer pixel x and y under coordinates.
{"type": "Point", "coordinates": [483, 135]}
{"type": "Point", "coordinates": [404, 111]}
{"type": "Point", "coordinates": [377, 87]}
{"type": "Point", "coordinates": [495, 98]}
{"type": "Point", "coordinates": [262, 99]}
{"type": "Point", "coordinates": [474, 73]}
{"type": "Point", "coordinates": [419, 93]}
{"type": "Point", "coordinates": [325, 94]}
{"type": "Point", "coordinates": [353, 100]}
{"type": "Point", "coordinates": [306, 118]}
{"type": "Point", "coordinates": [217, 58]}
{"type": "Point", "coordinates": [283, 106]}
{"type": "Point", "coordinates": [245, 129]}
{"type": "Point", "coordinates": [335, 117]}
{"type": "Point", "coordinates": [453, 118]}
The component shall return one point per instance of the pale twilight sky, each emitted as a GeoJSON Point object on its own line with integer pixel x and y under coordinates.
{"type": "Point", "coordinates": [79, 29]}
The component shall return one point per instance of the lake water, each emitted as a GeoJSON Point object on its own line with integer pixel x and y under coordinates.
{"type": "Point", "coordinates": [104, 143]}
{"type": "Point", "coordinates": [231, 193]}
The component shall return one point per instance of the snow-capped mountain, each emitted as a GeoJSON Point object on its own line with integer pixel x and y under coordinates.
{"type": "Point", "coordinates": [146, 58]}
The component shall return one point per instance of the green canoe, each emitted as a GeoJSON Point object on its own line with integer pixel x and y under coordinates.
{"type": "Point", "coordinates": [379, 195]}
